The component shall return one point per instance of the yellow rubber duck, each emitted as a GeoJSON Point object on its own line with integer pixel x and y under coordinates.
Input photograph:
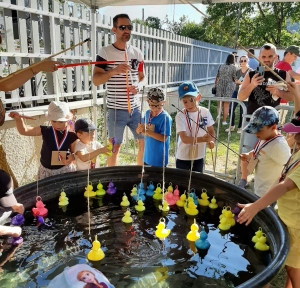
{"type": "Point", "coordinates": [109, 147]}
{"type": "Point", "coordinates": [140, 206]}
{"type": "Point", "coordinates": [125, 202]}
{"type": "Point", "coordinates": [63, 199]}
{"type": "Point", "coordinates": [204, 199]}
{"type": "Point", "coordinates": [258, 234]}
{"type": "Point", "coordinates": [133, 191]}
{"type": "Point", "coordinates": [89, 191]}
{"type": "Point", "coordinates": [157, 194]}
{"type": "Point", "coordinates": [100, 191]}
{"type": "Point", "coordinates": [165, 207]}
{"type": "Point", "coordinates": [127, 218]}
{"type": "Point", "coordinates": [170, 188]}
{"type": "Point", "coordinates": [96, 254]}
{"type": "Point", "coordinates": [213, 203]}
{"type": "Point", "coordinates": [224, 225]}
{"type": "Point", "coordinates": [182, 200]}
{"type": "Point", "coordinates": [223, 212]}
{"type": "Point", "coordinates": [193, 235]}
{"type": "Point", "coordinates": [161, 231]}
{"type": "Point", "coordinates": [191, 208]}
{"type": "Point", "coordinates": [261, 243]}
{"type": "Point", "coordinates": [229, 216]}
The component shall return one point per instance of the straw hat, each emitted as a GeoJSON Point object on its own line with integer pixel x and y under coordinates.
{"type": "Point", "coordinates": [58, 111]}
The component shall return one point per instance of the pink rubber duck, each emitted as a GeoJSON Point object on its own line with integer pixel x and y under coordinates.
{"type": "Point", "coordinates": [40, 209]}
{"type": "Point", "coordinates": [176, 194]}
{"type": "Point", "coordinates": [170, 198]}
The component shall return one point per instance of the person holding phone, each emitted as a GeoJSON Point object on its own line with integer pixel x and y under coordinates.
{"type": "Point", "coordinates": [255, 88]}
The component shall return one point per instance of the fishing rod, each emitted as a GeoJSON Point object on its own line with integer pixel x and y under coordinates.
{"type": "Point", "coordinates": [84, 64]}
{"type": "Point", "coordinates": [192, 100]}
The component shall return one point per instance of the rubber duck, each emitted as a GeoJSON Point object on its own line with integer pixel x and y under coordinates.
{"type": "Point", "coordinates": [202, 243]}
{"type": "Point", "coordinates": [140, 206]}
{"type": "Point", "coordinates": [193, 235]}
{"type": "Point", "coordinates": [133, 193]}
{"type": "Point", "coordinates": [125, 202]}
{"type": "Point", "coordinates": [89, 191]}
{"type": "Point", "coordinates": [111, 189]}
{"type": "Point", "coordinates": [40, 209]}
{"type": "Point", "coordinates": [165, 207]}
{"type": "Point", "coordinates": [224, 225]}
{"type": "Point", "coordinates": [261, 243]}
{"type": "Point", "coordinates": [157, 193]}
{"type": "Point", "coordinates": [170, 188]}
{"type": "Point", "coordinates": [110, 146]}
{"type": "Point", "coordinates": [213, 203]}
{"type": "Point", "coordinates": [236, 211]}
{"type": "Point", "coordinates": [161, 231]}
{"type": "Point", "coordinates": [182, 200]}
{"type": "Point", "coordinates": [96, 254]}
{"type": "Point", "coordinates": [204, 199]}
{"type": "Point", "coordinates": [63, 199]}
{"type": "Point", "coordinates": [223, 212]}
{"type": "Point", "coordinates": [41, 222]}
{"type": "Point", "coordinates": [176, 194]}
{"type": "Point", "coordinates": [100, 191]}
{"type": "Point", "coordinates": [257, 235]}
{"type": "Point", "coordinates": [127, 217]}
{"type": "Point", "coordinates": [169, 197]}
{"type": "Point", "coordinates": [17, 220]}
{"type": "Point", "coordinates": [191, 209]}
{"type": "Point", "coordinates": [141, 189]}
{"type": "Point", "coordinates": [229, 216]}
{"type": "Point", "coordinates": [150, 189]}
{"type": "Point", "coordinates": [14, 240]}
{"type": "Point", "coordinates": [194, 196]}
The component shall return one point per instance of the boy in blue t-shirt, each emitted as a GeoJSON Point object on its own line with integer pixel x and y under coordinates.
{"type": "Point", "coordinates": [156, 126]}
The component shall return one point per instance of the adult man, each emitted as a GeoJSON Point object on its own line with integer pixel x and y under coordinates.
{"type": "Point", "coordinates": [121, 78]}
{"type": "Point", "coordinates": [234, 53]}
{"type": "Point", "coordinates": [255, 88]}
{"type": "Point", "coordinates": [253, 63]}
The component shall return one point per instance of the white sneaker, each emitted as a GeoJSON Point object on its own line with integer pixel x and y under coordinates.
{"type": "Point", "coordinates": [224, 123]}
{"type": "Point", "coordinates": [231, 129]}
{"type": "Point", "coordinates": [239, 131]}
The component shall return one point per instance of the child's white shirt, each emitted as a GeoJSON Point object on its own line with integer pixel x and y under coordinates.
{"type": "Point", "coordinates": [182, 152]}
{"type": "Point", "coordinates": [271, 160]}
{"type": "Point", "coordinates": [84, 149]}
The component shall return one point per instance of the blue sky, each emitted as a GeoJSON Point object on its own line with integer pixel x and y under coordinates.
{"type": "Point", "coordinates": [159, 11]}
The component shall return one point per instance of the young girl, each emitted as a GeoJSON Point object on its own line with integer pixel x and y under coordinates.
{"type": "Point", "coordinates": [191, 124]}
{"type": "Point", "coordinates": [56, 157]}
{"type": "Point", "coordinates": [287, 193]}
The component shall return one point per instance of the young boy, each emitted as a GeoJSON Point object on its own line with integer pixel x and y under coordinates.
{"type": "Point", "coordinates": [270, 153]}
{"type": "Point", "coordinates": [8, 204]}
{"type": "Point", "coordinates": [157, 129]}
{"type": "Point", "coordinates": [194, 125]}
{"type": "Point", "coordinates": [286, 191]}
{"type": "Point", "coordinates": [87, 149]}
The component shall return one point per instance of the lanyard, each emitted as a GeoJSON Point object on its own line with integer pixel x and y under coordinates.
{"type": "Point", "coordinates": [61, 143]}
{"type": "Point", "coordinates": [127, 88]}
{"type": "Point", "coordinates": [151, 117]}
{"type": "Point", "coordinates": [189, 124]}
{"type": "Point", "coordinates": [288, 167]}
{"type": "Point", "coordinates": [257, 147]}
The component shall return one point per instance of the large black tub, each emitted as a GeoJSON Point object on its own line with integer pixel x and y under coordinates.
{"type": "Point", "coordinates": [124, 177]}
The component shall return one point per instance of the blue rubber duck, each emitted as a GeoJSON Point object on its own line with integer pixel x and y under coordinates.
{"type": "Point", "coordinates": [202, 243]}
{"type": "Point", "coordinates": [150, 189]}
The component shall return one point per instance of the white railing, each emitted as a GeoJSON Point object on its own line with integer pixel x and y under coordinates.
{"type": "Point", "coordinates": [33, 31]}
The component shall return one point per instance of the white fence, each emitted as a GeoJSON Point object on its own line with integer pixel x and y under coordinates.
{"type": "Point", "coordinates": [33, 30]}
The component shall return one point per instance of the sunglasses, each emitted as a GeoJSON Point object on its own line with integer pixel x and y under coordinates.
{"type": "Point", "coordinates": [123, 27]}
{"type": "Point", "coordinates": [241, 61]}
{"type": "Point", "coordinates": [155, 106]}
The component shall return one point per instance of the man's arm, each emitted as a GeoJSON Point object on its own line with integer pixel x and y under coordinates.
{"type": "Point", "coordinates": [248, 85]}
{"type": "Point", "coordinates": [294, 75]}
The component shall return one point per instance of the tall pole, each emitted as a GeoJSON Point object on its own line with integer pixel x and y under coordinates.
{"type": "Point", "coordinates": [237, 25]}
{"type": "Point", "coordinates": [143, 15]}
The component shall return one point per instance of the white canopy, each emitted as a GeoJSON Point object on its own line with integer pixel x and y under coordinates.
{"type": "Point", "coordinates": [103, 3]}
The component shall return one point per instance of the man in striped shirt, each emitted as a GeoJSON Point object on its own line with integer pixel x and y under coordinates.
{"type": "Point", "coordinates": [121, 78]}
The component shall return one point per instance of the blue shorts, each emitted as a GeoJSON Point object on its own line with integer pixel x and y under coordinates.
{"type": "Point", "coordinates": [118, 119]}
{"type": "Point", "coordinates": [249, 141]}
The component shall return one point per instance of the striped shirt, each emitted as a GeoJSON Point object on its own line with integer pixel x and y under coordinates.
{"type": "Point", "coordinates": [117, 86]}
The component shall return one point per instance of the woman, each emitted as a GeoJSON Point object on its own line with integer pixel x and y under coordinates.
{"type": "Point", "coordinates": [225, 84]}
{"type": "Point", "coordinates": [240, 75]}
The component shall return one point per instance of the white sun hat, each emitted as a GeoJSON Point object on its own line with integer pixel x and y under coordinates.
{"type": "Point", "coordinates": [58, 111]}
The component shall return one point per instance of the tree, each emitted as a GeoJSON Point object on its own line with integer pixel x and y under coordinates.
{"type": "Point", "coordinates": [153, 22]}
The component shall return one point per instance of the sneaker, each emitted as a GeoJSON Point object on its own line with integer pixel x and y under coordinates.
{"type": "Point", "coordinates": [231, 129]}
{"type": "Point", "coordinates": [224, 123]}
{"type": "Point", "coordinates": [239, 131]}
{"type": "Point", "coordinates": [242, 183]}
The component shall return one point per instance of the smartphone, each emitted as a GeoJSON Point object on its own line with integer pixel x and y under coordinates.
{"type": "Point", "coordinates": [261, 70]}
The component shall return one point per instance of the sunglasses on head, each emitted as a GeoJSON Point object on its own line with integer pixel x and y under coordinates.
{"type": "Point", "coordinates": [123, 27]}
{"type": "Point", "coordinates": [241, 61]}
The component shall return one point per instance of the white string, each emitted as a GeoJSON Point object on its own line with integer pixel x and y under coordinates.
{"type": "Point", "coordinates": [164, 160]}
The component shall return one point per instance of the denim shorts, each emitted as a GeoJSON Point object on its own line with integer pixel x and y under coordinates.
{"type": "Point", "coordinates": [118, 119]}
{"type": "Point", "coordinates": [249, 141]}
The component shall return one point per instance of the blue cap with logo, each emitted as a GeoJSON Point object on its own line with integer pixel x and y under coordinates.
{"type": "Point", "coordinates": [187, 88]}
{"type": "Point", "coordinates": [85, 125]}
{"type": "Point", "coordinates": [261, 117]}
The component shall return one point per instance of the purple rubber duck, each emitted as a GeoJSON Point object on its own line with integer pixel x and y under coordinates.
{"type": "Point", "coordinates": [15, 240]}
{"type": "Point", "coordinates": [17, 220]}
{"type": "Point", "coordinates": [113, 142]}
{"type": "Point", "coordinates": [111, 189]}
{"type": "Point", "coordinates": [42, 222]}
{"type": "Point", "coordinates": [236, 212]}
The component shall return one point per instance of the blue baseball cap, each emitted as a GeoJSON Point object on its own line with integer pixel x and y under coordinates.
{"type": "Point", "coordinates": [84, 125]}
{"type": "Point", "coordinates": [261, 117]}
{"type": "Point", "coordinates": [187, 88]}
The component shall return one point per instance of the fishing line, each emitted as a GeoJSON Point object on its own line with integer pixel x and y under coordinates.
{"type": "Point", "coordinates": [207, 131]}
{"type": "Point", "coordinates": [231, 38]}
